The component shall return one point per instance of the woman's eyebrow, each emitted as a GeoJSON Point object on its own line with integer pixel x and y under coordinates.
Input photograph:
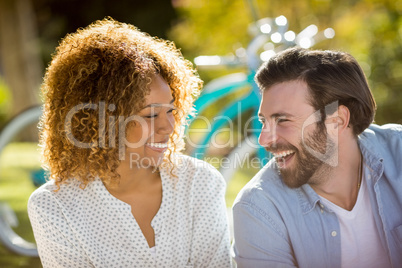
{"type": "Point", "coordinates": [157, 104]}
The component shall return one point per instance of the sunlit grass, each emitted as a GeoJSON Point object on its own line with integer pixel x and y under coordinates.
{"type": "Point", "coordinates": [17, 161]}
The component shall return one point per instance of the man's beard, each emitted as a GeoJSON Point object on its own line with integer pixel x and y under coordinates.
{"type": "Point", "coordinates": [307, 168]}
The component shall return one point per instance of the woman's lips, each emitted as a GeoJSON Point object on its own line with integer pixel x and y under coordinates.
{"type": "Point", "coordinates": [156, 146]}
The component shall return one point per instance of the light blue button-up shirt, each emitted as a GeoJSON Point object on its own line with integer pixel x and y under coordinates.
{"type": "Point", "coordinates": [276, 226]}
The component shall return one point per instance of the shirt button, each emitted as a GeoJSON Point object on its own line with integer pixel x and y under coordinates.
{"type": "Point", "coordinates": [333, 233]}
{"type": "Point", "coordinates": [322, 211]}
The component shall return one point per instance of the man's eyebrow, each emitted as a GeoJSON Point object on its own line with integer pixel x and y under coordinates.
{"type": "Point", "coordinates": [277, 115]}
{"type": "Point", "coordinates": [157, 104]}
{"type": "Point", "coordinates": [283, 114]}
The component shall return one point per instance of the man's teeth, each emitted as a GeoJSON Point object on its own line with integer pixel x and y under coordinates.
{"type": "Point", "coordinates": [283, 154]}
{"type": "Point", "coordinates": [158, 145]}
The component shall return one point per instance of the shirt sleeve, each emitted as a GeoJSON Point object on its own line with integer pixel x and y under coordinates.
{"type": "Point", "coordinates": [56, 246]}
{"type": "Point", "coordinates": [211, 243]}
{"type": "Point", "coordinates": [258, 240]}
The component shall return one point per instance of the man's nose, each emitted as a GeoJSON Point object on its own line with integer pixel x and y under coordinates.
{"type": "Point", "coordinates": [268, 136]}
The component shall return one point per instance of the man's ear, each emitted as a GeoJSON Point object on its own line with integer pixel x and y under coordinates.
{"type": "Point", "coordinates": [343, 117]}
{"type": "Point", "coordinates": [339, 120]}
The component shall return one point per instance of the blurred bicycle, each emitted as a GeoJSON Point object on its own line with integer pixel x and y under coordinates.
{"type": "Point", "coordinates": [10, 235]}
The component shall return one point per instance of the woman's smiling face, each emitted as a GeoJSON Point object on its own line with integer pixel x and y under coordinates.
{"type": "Point", "coordinates": [148, 135]}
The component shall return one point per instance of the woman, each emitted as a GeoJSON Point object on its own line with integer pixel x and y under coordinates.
{"type": "Point", "coordinates": [120, 194]}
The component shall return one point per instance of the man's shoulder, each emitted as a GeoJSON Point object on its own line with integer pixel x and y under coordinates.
{"type": "Point", "coordinates": [384, 131]}
{"type": "Point", "coordinates": [382, 140]}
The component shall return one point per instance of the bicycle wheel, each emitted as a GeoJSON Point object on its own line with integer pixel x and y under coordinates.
{"type": "Point", "coordinates": [16, 161]}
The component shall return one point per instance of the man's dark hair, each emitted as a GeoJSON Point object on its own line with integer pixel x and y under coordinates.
{"type": "Point", "coordinates": [330, 76]}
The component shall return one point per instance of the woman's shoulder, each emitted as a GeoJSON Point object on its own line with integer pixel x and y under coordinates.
{"type": "Point", "coordinates": [185, 163]}
{"type": "Point", "coordinates": [198, 171]}
{"type": "Point", "coordinates": [50, 192]}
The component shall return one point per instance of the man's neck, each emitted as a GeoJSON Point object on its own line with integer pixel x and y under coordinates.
{"type": "Point", "coordinates": [341, 186]}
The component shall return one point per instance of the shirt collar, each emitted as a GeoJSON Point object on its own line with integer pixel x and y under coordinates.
{"type": "Point", "coordinates": [371, 155]}
{"type": "Point", "coordinates": [308, 198]}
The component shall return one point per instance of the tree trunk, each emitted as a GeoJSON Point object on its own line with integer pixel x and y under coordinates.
{"type": "Point", "coordinates": [19, 50]}
{"type": "Point", "coordinates": [19, 55]}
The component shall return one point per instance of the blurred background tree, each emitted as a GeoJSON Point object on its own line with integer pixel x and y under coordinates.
{"type": "Point", "coordinates": [371, 30]}
{"type": "Point", "coordinates": [19, 53]}
{"type": "Point", "coordinates": [56, 18]}
{"type": "Point", "coordinates": [31, 29]}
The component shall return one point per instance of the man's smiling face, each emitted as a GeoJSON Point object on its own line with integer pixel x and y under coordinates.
{"type": "Point", "coordinates": [283, 112]}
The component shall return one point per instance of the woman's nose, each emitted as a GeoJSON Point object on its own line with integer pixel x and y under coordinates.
{"type": "Point", "coordinates": [166, 124]}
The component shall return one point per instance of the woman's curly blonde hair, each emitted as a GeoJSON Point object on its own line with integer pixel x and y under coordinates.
{"type": "Point", "coordinates": [111, 63]}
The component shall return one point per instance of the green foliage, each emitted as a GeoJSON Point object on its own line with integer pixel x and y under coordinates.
{"type": "Point", "coordinates": [206, 28]}
{"type": "Point", "coordinates": [5, 101]}
{"type": "Point", "coordinates": [371, 30]}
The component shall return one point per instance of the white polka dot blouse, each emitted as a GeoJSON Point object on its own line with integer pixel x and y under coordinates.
{"type": "Point", "coordinates": [89, 227]}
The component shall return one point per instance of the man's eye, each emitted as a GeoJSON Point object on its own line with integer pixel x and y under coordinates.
{"type": "Point", "coordinates": [262, 120]}
{"type": "Point", "coordinates": [281, 120]}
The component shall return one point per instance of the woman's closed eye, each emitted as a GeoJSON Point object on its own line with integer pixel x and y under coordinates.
{"type": "Point", "coordinates": [155, 115]}
{"type": "Point", "coordinates": [150, 116]}
{"type": "Point", "coordinates": [172, 111]}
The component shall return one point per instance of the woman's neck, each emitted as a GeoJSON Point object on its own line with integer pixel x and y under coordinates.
{"type": "Point", "coordinates": [134, 179]}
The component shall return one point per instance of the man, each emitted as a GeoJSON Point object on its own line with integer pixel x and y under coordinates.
{"type": "Point", "coordinates": [332, 194]}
